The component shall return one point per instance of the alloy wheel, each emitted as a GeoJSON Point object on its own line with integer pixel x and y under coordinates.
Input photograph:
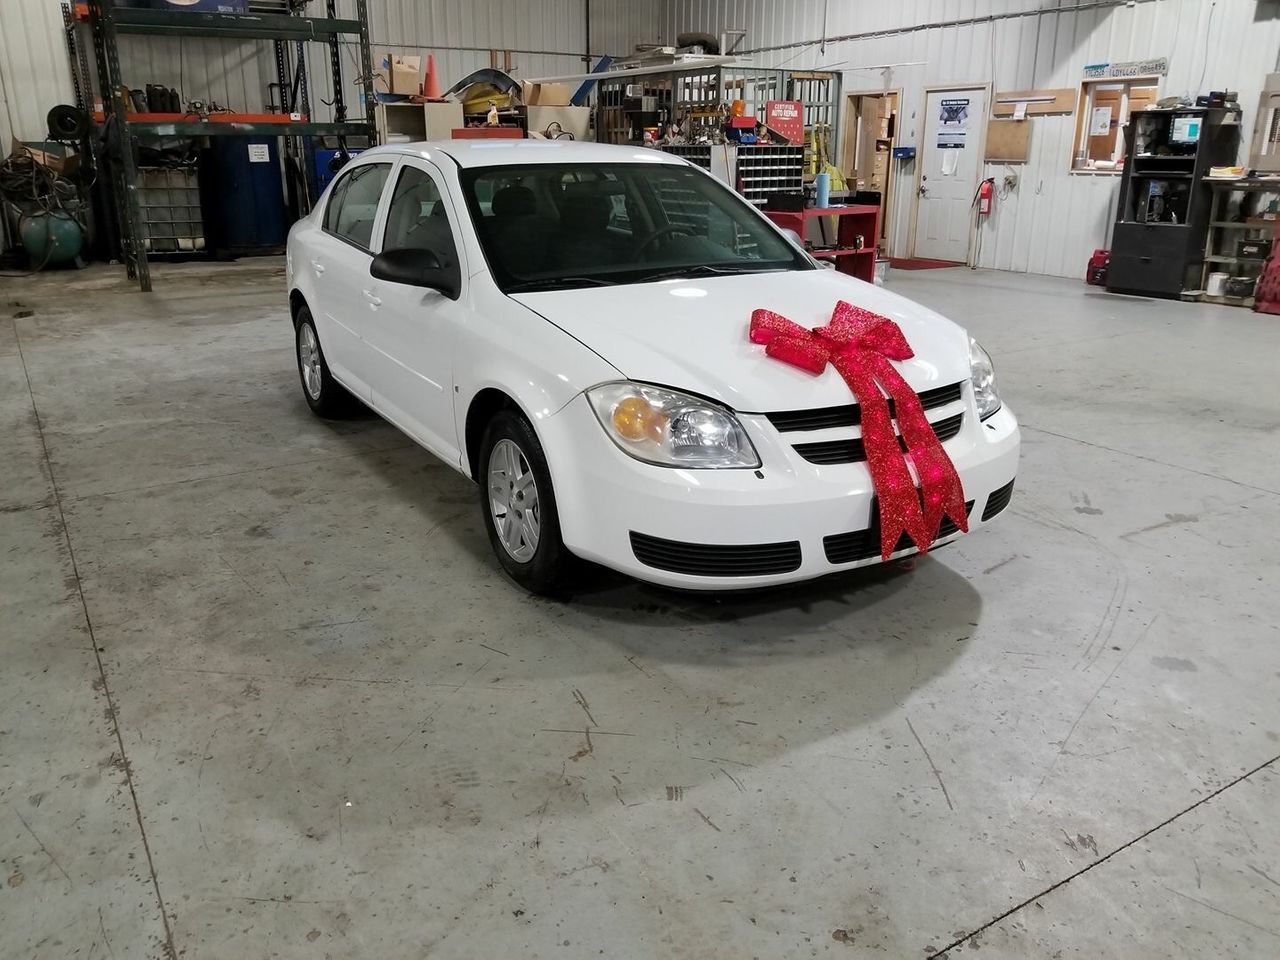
{"type": "Point", "coordinates": [513, 500]}
{"type": "Point", "coordinates": [309, 360]}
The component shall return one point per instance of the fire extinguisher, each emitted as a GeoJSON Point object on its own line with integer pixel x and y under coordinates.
{"type": "Point", "coordinates": [986, 196]}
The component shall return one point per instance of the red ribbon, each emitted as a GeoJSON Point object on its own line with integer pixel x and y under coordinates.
{"type": "Point", "coordinates": [860, 344]}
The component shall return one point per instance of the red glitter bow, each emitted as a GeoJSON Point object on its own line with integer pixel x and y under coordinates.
{"type": "Point", "coordinates": [860, 344]}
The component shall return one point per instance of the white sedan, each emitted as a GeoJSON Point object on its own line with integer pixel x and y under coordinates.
{"type": "Point", "coordinates": [567, 325]}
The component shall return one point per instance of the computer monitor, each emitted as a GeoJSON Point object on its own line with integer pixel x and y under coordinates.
{"type": "Point", "coordinates": [1186, 130]}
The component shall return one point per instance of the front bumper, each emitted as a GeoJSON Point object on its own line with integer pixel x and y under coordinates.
{"type": "Point", "coordinates": [604, 496]}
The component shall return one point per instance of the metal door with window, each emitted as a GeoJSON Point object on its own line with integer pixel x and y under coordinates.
{"type": "Point", "coordinates": [410, 330]}
{"type": "Point", "coordinates": [955, 121]}
{"type": "Point", "coordinates": [341, 263]}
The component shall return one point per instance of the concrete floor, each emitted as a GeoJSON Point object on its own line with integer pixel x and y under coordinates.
{"type": "Point", "coordinates": [266, 694]}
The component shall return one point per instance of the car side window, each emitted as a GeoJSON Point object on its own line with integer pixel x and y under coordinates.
{"type": "Point", "coordinates": [354, 203]}
{"type": "Point", "coordinates": [335, 202]}
{"type": "Point", "coordinates": [417, 218]}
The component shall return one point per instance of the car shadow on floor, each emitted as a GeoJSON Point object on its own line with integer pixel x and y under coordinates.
{"type": "Point", "coordinates": [917, 596]}
{"type": "Point", "coordinates": [849, 647]}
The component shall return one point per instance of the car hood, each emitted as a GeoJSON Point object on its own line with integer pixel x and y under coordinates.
{"type": "Point", "coordinates": [692, 334]}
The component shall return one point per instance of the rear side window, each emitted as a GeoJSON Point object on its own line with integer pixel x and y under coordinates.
{"type": "Point", "coordinates": [354, 203]}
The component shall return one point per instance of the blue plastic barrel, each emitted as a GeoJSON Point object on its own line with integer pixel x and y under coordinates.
{"type": "Point", "coordinates": [243, 195]}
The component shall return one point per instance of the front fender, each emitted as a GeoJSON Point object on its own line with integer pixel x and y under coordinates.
{"type": "Point", "coordinates": [511, 348]}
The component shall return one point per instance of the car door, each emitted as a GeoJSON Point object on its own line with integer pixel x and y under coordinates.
{"type": "Point", "coordinates": [341, 263]}
{"type": "Point", "coordinates": [411, 331]}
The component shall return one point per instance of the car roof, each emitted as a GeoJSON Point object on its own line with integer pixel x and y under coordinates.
{"type": "Point", "coordinates": [491, 153]}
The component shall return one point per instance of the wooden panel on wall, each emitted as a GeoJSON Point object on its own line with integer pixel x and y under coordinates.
{"type": "Point", "coordinates": [1064, 101]}
{"type": "Point", "coordinates": [1008, 141]}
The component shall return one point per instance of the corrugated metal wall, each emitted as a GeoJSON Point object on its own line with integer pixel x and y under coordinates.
{"type": "Point", "coordinates": [547, 37]}
{"type": "Point", "coordinates": [550, 36]}
{"type": "Point", "coordinates": [1054, 219]}
{"type": "Point", "coordinates": [1050, 223]}
{"type": "Point", "coordinates": [34, 73]}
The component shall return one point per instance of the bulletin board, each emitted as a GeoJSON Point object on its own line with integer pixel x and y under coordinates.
{"type": "Point", "coordinates": [1008, 141]}
{"type": "Point", "coordinates": [1061, 100]}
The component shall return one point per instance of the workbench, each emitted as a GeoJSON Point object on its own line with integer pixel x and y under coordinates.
{"type": "Point", "coordinates": [853, 221]}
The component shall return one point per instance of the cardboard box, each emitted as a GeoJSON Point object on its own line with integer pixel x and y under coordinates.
{"type": "Point", "coordinates": [406, 75]}
{"type": "Point", "coordinates": [399, 75]}
{"type": "Point", "coordinates": [58, 157]}
{"type": "Point", "coordinates": [554, 94]}
{"type": "Point", "coordinates": [545, 94]}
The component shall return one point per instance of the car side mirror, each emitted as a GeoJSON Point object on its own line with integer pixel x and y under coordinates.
{"type": "Point", "coordinates": [418, 268]}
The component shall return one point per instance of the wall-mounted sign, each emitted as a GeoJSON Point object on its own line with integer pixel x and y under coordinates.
{"type": "Point", "coordinates": [785, 117]}
{"type": "Point", "coordinates": [1157, 67]}
{"type": "Point", "coordinates": [953, 124]}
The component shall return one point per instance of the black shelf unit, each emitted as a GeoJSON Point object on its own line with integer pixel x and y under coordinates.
{"type": "Point", "coordinates": [107, 22]}
{"type": "Point", "coordinates": [1162, 218]}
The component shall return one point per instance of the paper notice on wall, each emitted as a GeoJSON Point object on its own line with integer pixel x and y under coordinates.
{"type": "Point", "coordinates": [1100, 122]}
{"type": "Point", "coordinates": [950, 162]}
{"type": "Point", "coordinates": [259, 153]}
{"type": "Point", "coordinates": [953, 124]}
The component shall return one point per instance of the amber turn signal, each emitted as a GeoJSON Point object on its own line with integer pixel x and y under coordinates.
{"type": "Point", "coordinates": [635, 419]}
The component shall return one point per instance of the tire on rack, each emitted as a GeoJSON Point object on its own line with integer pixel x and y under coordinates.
{"type": "Point", "coordinates": [519, 506]}
{"type": "Point", "coordinates": [325, 396]}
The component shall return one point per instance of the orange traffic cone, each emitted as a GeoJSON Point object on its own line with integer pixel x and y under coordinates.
{"type": "Point", "coordinates": [432, 91]}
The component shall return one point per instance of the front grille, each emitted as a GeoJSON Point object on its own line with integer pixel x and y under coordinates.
{"type": "Point", "coordinates": [998, 500]}
{"type": "Point", "coordinates": [716, 560]}
{"type": "Point", "coordinates": [851, 449]}
{"type": "Point", "coordinates": [865, 544]}
{"type": "Point", "coordinates": [823, 418]}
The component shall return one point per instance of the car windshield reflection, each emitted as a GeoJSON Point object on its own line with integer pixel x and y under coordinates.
{"type": "Point", "coordinates": [559, 226]}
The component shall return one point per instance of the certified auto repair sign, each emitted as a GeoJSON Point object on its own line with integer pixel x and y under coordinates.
{"type": "Point", "coordinates": [786, 118]}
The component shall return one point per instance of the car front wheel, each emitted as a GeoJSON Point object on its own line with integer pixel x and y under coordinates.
{"type": "Point", "coordinates": [520, 506]}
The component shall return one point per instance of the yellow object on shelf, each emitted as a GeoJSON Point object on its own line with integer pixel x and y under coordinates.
{"type": "Point", "coordinates": [479, 103]}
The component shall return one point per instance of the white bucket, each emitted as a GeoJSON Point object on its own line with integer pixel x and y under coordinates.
{"type": "Point", "coordinates": [1217, 284]}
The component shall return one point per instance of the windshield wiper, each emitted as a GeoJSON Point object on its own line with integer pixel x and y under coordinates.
{"type": "Point", "coordinates": [554, 283]}
{"type": "Point", "coordinates": [701, 270]}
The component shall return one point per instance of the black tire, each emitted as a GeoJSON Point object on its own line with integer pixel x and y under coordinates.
{"type": "Point", "coordinates": [548, 569]}
{"type": "Point", "coordinates": [330, 399]}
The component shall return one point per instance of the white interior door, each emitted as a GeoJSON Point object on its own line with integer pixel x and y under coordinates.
{"type": "Point", "coordinates": [952, 164]}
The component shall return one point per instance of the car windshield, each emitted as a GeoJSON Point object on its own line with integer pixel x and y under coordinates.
{"type": "Point", "coordinates": [554, 226]}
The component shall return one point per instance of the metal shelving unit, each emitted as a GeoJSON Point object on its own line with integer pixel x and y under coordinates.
{"type": "Point", "coordinates": [699, 96]}
{"type": "Point", "coordinates": [108, 21]}
{"type": "Point", "coordinates": [1235, 198]}
{"type": "Point", "coordinates": [769, 168]}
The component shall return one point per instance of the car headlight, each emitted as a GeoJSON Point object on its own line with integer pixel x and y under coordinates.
{"type": "Point", "coordinates": [669, 428]}
{"type": "Point", "coordinates": [983, 373]}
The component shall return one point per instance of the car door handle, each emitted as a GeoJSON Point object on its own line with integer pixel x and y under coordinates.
{"type": "Point", "coordinates": [317, 266]}
{"type": "Point", "coordinates": [375, 301]}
